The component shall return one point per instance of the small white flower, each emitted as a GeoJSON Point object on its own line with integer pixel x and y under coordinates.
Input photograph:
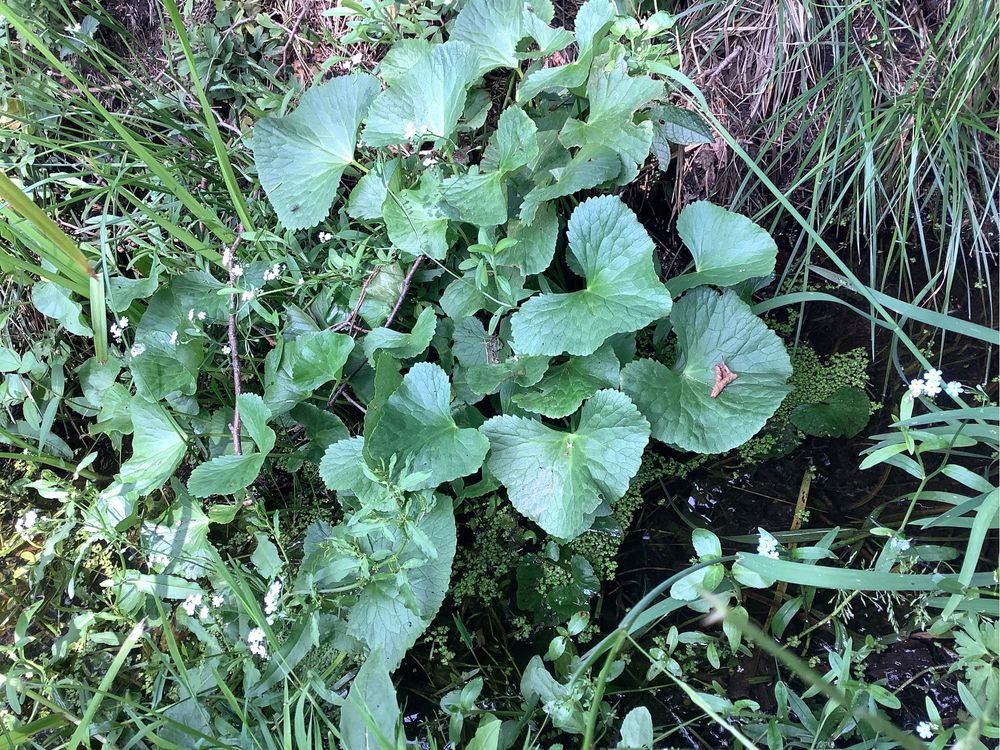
{"type": "Point", "coordinates": [137, 349]}
{"type": "Point", "coordinates": [767, 546]}
{"type": "Point", "coordinates": [933, 376]}
{"type": "Point", "coordinates": [410, 131]}
{"type": "Point", "coordinates": [926, 729]}
{"type": "Point", "coordinates": [173, 338]}
{"type": "Point", "coordinates": [300, 282]}
{"type": "Point", "coordinates": [237, 271]}
{"type": "Point", "coordinates": [255, 639]}
{"type": "Point", "coordinates": [932, 389]}
{"type": "Point", "coordinates": [205, 613]}
{"type": "Point", "coordinates": [192, 603]}
{"type": "Point", "coordinates": [117, 329]}
{"type": "Point", "coordinates": [74, 29]}
{"type": "Point", "coordinates": [218, 600]}
{"type": "Point", "coordinates": [226, 349]}
{"type": "Point", "coordinates": [247, 295]}
{"type": "Point", "coordinates": [429, 161]}
{"type": "Point", "coordinates": [953, 389]}
{"type": "Point", "coordinates": [273, 272]}
{"type": "Point", "coordinates": [899, 545]}
{"type": "Point", "coordinates": [191, 314]}
{"type": "Point", "coordinates": [201, 315]}
{"type": "Point", "coordinates": [356, 58]}
{"type": "Point", "coordinates": [326, 236]}
{"type": "Point", "coordinates": [917, 388]}
{"type": "Point", "coordinates": [227, 256]}
{"type": "Point", "coordinates": [26, 522]}
{"type": "Point", "coordinates": [270, 619]}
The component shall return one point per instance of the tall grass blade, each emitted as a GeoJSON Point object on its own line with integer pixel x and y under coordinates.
{"type": "Point", "coordinates": [221, 150]}
{"type": "Point", "coordinates": [69, 256]}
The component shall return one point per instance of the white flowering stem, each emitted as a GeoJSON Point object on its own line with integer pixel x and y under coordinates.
{"type": "Point", "coordinates": [234, 355]}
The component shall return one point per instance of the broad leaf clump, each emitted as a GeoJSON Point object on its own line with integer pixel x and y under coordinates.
{"type": "Point", "coordinates": [521, 366]}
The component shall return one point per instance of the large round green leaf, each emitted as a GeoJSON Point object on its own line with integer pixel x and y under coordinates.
{"type": "Point", "coordinates": [623, 292]}
{"type": "Point", "coordinates": [558, 478]}
{"type": "Point", "coordinates": [712, 329]}
{"type": "Point", "coordinates": [300, 157]}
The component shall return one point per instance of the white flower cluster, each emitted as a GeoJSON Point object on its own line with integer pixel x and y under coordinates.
{"type": "Point", "coordinates": [237, 270]}
{"type": "Point", "coordinates": [196, 603]}
{"type": "Point", "coordinates": [932, 383]}
{"type": "Point", "coordinates": [926, 729]}
{"type": "Point", "coordinates": [412, 131]}
{"type": "Point", "coordinates": [192, 603]}
{"type": "Point", "coordinates": [117, 329]}
{"type": "Point", "coordinates": [199, 314]}
{"type": "Point", "coordinates": [324, 236]}
{"type": "Point", "coordinates": [247, 295]}
{"type": "Point", "coordinates": [272, 273]}
{"type": "Point", "coordinates": [255, 639]}
{"type": "Point", "coordinates": [173, 338]}
{"type": "Point", "coordinates": [137, 349]}
{"type": "Point", "coordinates": [767, 545]}
{"type": "Point", "coordinates": [26, 522]}
{"type": "Point", "coordinates": [271, 601]}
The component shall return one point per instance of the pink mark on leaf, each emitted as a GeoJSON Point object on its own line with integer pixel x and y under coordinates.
{"type": "Point", "coordinates": [723, 377]}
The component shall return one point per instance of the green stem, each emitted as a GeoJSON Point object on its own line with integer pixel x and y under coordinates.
{"type": "Point", "coordinates": [602, 681]}
{"type": "Point", "coordinates": [56, 463]}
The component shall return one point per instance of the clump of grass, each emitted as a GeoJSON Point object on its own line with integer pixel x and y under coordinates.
{"type": "Point", "coordinates": [878, 121]}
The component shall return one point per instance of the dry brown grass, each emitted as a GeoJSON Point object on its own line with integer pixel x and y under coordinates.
{"type": "Point", "coordinates": [757, 60]}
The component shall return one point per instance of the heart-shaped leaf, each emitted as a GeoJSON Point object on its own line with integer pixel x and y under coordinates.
{"type": "Point", "coordinates": [157, 447]}
{"type": "Point", "coordinates": [493, 28]}
{"type": "Point", "coordinates": [427, 100]}
{"type": "Point", "coordinates": [381, 618]}
{"type": "Point", "coordinates": [614, 96]}
{"type": "Point", "coordinates": [558, 478]}
{"type": "Point", "coordinates": [716, 333]}
{"type": "Point", "coordinates": [403, 345]}
{"type": "Point", "coordinates": [300, 157]}
{"type": "Point", "coordinates": [622, 293]}
{"type": "Point", "coordinates": [591, 24]}
{"type": "Point", "coordinates": [727, 248]}
{"type": "Point", "coordinates": [415, 219]}
{"type": "Point", "coordinates": [844, 413]}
